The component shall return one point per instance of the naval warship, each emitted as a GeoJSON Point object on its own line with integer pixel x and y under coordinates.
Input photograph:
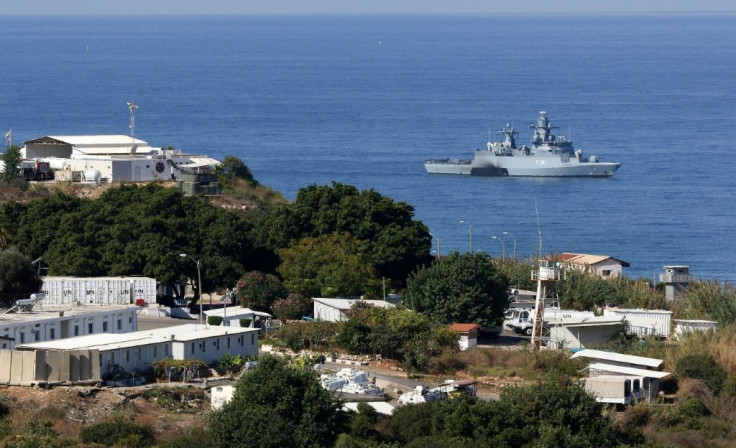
{"type": "Point", "coordinates": [548, 156]}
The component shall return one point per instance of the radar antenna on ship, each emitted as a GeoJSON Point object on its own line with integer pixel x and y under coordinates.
{"type": "Point", "coordinates": [510, 135]}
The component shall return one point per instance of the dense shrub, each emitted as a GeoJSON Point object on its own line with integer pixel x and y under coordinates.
{"type": "Point", "coordinates": [317, 335]}
{"type": "Point", "coordinates": [692, 407]}
{"type": "Point", "coordinates": [703, 367]}
{"type": "Point", "coordinates": [294, 306]}
{"type": "Point", "coordinates": [178, 367]}
{"type": "Point", "coordinates": [215, 321]}
{"type": "Point", "coordinates": [119, 433]}
{"type": "Point", "coordinates": [178, 399]}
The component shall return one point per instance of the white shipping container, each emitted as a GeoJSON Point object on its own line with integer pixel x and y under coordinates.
{"type": "Point", "coordinates": [98, 290]}
{"type": "Point", "coordinates": [644, 322]}
{"type": "Point", "coordinates": [143, 288]}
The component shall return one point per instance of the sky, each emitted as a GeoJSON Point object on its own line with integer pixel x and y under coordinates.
{"type": "Point", "coordinates": [118, 7]}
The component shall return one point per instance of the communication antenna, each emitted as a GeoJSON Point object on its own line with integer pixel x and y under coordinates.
{"type": "Point", "coordinates": [539, 228]}
{"type": "Point", "coordinates": [132, 107]}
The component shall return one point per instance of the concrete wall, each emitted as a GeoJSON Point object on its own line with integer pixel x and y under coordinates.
{"type": "Point", "coordinates": [26, 368]}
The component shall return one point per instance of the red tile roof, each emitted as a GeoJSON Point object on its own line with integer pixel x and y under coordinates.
{"type": "Point", "coordinates": [464, 328]}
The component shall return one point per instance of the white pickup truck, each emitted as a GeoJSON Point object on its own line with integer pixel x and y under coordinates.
{"type": "Point", "coordinates": [521, 320]}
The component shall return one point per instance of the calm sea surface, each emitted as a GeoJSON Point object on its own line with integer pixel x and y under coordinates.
{"type": "Point", "coordinates": [365, 99]}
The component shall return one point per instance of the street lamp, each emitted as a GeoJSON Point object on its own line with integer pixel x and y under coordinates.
{"type": "Point", "coordinates": [471, 235]}
{"type": "Point", "coordinates": [438, 245]}
{"type": "Point", "coordinates": [513, 238]}
{"type": "Point", "coordinates": [503, 247]}
{"type": "Point", "coordinates": [199, 285]}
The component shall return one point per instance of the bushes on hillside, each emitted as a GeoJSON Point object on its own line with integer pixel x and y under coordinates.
{"type": "Point", "coordinates": [119, 433]}
{"type": "Point", "coordinates": [702, 367]}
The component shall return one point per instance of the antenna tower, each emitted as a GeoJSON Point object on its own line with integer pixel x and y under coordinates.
{"type": "Point", "coordinates": [132, 107]}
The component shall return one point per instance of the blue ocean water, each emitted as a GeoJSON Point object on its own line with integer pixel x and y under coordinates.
{"type": "Point", "coordinates": [365, 99]}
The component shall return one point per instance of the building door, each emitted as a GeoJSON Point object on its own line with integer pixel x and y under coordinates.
{"type": "Point", "coordinates": [137, 173]}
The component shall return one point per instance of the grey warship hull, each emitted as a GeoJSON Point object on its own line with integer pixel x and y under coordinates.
{"type": "Point", "coordinates": [488, 164]}
{"type": "Point", "coordinates": [548, 156]}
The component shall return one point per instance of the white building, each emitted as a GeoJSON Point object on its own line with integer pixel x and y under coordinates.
{"type": "Point", "coordinates": [621, 379]}
{"type": "Point", "coordinates": [601, 265]}
{"type": "Point", "coordinates": [657, 323]}
{"type": "Point", "coordinates": [93, 158]}
{"type": "Point", "coordinates": [685, 326]}
{"type": "Point", "coordinates": [468, 335]}
{"type": "Point", "coordinates": [333, 310]}
{"type": "Point", "coordinates": [231, 316]}
{"type": "Point", "coordinates": [582, 332]}
{"type": "Point", "coordinates": [52, 323]}
{"type": "Point", "coordinates": [221, 395]}
{"type": "Point", "coordinates": [139, 350]}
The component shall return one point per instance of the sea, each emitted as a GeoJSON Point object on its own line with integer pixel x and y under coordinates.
{"type": "Point", "coordinates": [365, 99]}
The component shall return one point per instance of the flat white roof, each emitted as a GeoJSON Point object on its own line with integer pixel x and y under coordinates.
{"type": "Point", "coordinates": [628, 370]}
{"type": "Point", "coordinates": [47, 312]}
{"type": "Point", "coordinates": [234, 311]}
{"type": "Point", "coordinates": [611, 356]}
{"type": "Point", "coordinates": [345, 304]}
{"type": "Point", "coordinates": [637, 310]}
{"type": "Point", "coordinates": [85, 140]}
{"type": "Point", "coordinates": [590, 321]}
{"type": "Point", "coordinates": [110, 341]}
{"type": "Point", "coordinates": [695, 321]}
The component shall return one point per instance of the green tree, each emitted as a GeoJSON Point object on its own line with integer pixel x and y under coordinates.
{"type": "Point", "coordinates": [462, 288]}
{"type": "Point", "coordinates": [258, 291]}
{"type": "Point", "coordinates": [276, 405]}
{"type": "Point", "coordinates": [12, 159]}
{"type": "Point", "coordinates": [232, 168]}
{"type": "Point", "coordinates": [18, 278]}
{"type": "Point", "coordinates": [294, 306]}
{"type": "Point", "coordinates": [394, 242]}
{"type": "Point", "coordinates": [328, 266]}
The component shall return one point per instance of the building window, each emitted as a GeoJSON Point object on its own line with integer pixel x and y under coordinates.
{"type": "Point", "coordinates": [252, 339]}
{"type": "Point", "coordinates": [104, 327]}
{"type": "Point", "coordinates": [203, 344]}
{"type": "Point", "coordinates": [166, 350]}
{"type": "Point", "coordinates": [192, 348]}
{"type": "Point", "coordinates": [52, 333]}
{"type": "Point", "coordinates": [5, 345]}
{"type": "Point", "coordinates": [228, 343]}
{"type": "Point", "coordinates": [139, 354]}
{"type": "Point", "coordinates": [606, 273]}
{"type": "Point", "coordinates": [90, 328]}
{"type": "Point", "coordinates": [76, 330]}
{"type": "Point", "coordinates": [155, 351]}
{"type": "Point", "coordinates": [37, 335]}
{"type": "Point", "coordinates": [127, 356]}
{"type": "Point", "coordinates": [22, 338]}
{"type": "Point", "coordinates": [120, 324]}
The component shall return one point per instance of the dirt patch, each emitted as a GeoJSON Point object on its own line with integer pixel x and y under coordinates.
{"type": "Point", "coordinates": [71, 408]}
